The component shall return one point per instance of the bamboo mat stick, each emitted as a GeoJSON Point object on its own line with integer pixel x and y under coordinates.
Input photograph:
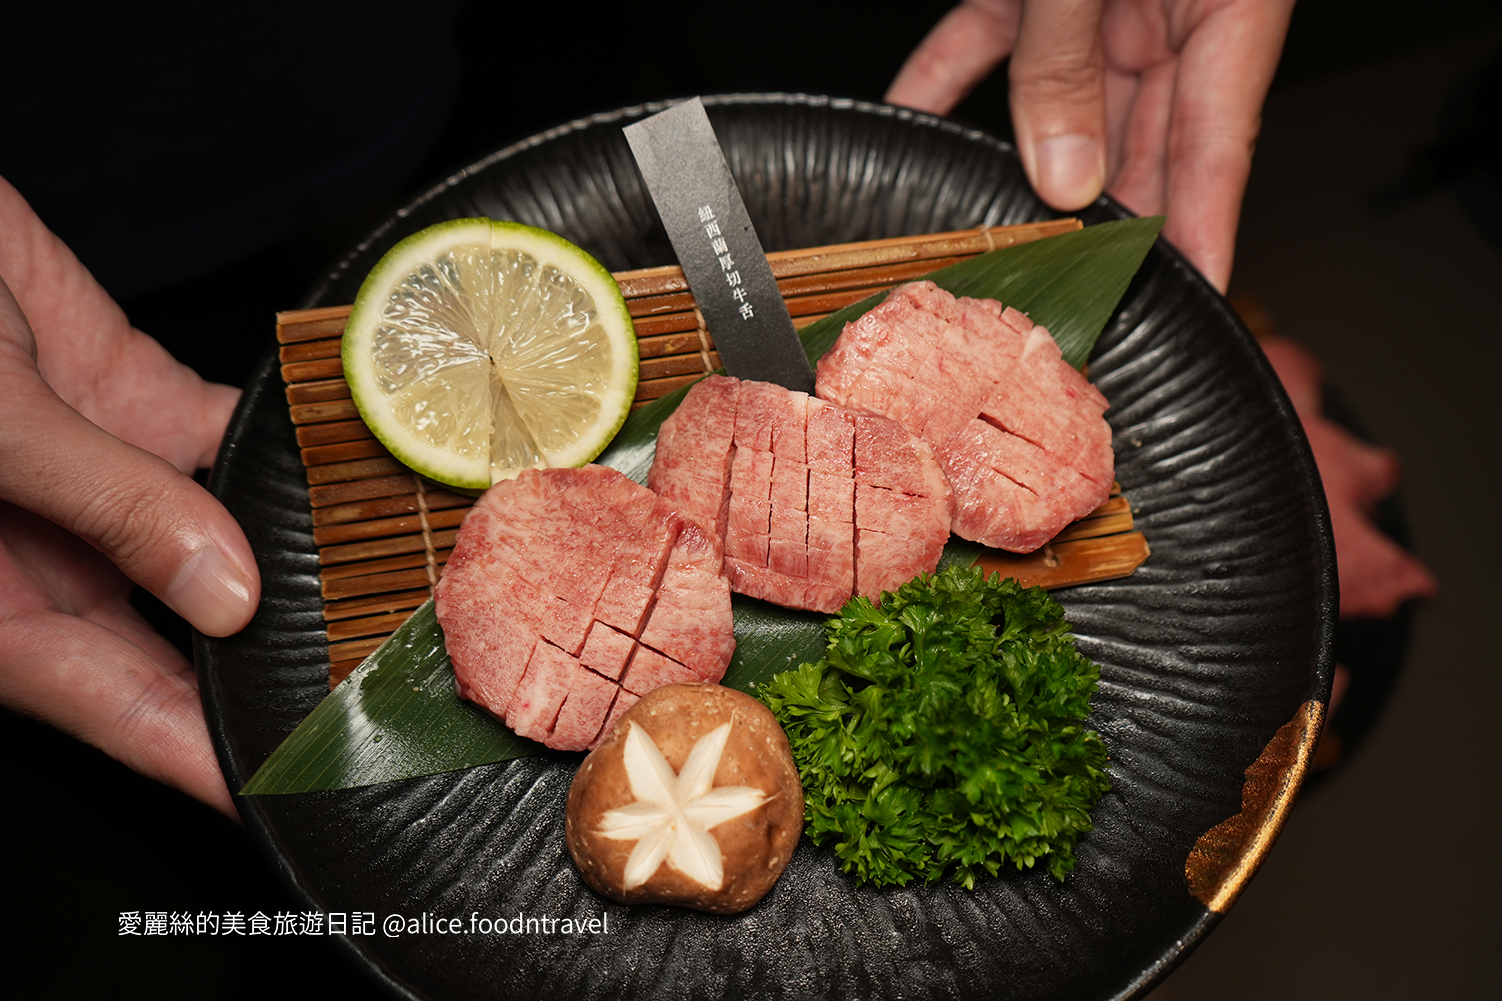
{"type": "Point", "coordinates": [384, 534]}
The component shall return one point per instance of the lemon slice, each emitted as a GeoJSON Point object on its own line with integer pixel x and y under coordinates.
{"type": "Point", "coordinates": [477, 349]}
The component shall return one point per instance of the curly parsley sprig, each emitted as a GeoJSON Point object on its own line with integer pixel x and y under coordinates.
{"type": "Point", "coordinates": [943, 732]}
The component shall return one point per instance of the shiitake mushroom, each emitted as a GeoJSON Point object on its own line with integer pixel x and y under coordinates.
{"type": "Point", "coordinates": [693, 799]}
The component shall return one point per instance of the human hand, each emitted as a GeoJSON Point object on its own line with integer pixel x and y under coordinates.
{"type": "Point", "coordinates": [1376, 574]}
{"type": "Point", "coordinates": [100, 431]}
{"type": "Point", "coordinates": [1157, 101]}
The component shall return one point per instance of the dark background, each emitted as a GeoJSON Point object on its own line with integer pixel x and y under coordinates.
{"type": "Point", "coordinates": [1372, 231]}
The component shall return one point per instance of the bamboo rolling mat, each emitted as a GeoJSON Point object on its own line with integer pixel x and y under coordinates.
{"type": "Point", "coordinates": [384, 533]}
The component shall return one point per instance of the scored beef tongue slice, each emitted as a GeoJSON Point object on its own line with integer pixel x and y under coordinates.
{"type": "Point", "coordinates": [690, 622]}
{"type": "Point", "coordinates": [700, 452]}
{"type": "Point", "coordinates": [572, 592]}
{"type": "Point", "coordinates": [1018, 431]}
{"type": "Point", "coordinates": [814, 502]}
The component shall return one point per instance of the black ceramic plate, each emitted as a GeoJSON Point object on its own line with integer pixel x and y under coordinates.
{"type": "Point", "coordinates": [1219, 644]}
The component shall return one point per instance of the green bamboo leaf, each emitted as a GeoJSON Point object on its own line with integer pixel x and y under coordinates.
{"type": "Point", "coordinates": [770, 639]}
{"type": "Point", "coordinates": [398, 716]}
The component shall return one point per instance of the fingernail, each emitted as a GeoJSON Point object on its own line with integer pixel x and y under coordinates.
{"type": "Point", "coordinates": [210, 592]}
{"type": "Point", "coordinates": [1070, 172]}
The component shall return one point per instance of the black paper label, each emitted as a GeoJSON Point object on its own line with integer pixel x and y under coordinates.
{"type": "Point", "coordinates": [706, 220]}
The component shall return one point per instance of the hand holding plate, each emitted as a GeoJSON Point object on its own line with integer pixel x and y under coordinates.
{"type": "Point", "coordinates": [1160, 104]}
{"type": "Point", "coordinates": [99, 428]}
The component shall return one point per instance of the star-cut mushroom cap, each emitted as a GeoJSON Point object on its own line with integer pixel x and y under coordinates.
{"type": "Point", "coordinates": [693, 799]}
{"type": "Point", "coordinates": [673, 813]}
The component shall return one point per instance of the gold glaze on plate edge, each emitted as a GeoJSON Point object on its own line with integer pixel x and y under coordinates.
{"type": "Point", "coordinates": [1225, 856]}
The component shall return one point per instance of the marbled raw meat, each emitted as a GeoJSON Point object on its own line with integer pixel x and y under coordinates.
{"type": "Point", "coordinates": [572, 592]}
{"type": "Point", "coordinates": [814, 502]}
{"type": "Point", "coordinates": [1018, 431]}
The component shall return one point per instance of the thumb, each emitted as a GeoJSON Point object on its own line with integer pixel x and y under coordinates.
{"type": "Point", "coordinates": [960, 52]}
{"type": "Point", "coordinates": [1058, 100]}
{"type": "Point", "coordinates": [160, 528]}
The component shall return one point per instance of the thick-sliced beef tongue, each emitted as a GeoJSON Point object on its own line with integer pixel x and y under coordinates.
{"type": "Point", "coordinates": [691, 621]}
{"type": "Point", "coordinates": [1017, 509]}
{"type": "Point", "coordinates": [796, 473]}
{"type": "Point", "coordinates": [566, 584]}
{"type": "Point", "coordinates": [590, 697]}
{"type": "Point", "coordinates": [606, 651]}
{"type": "Point", "coordinates": [484, 579]}
{"type": "Point", "coordinates": [694, 456]}
{"type": "Point", "coordinates": [549, 679]}
{"type": "Point", "coordinates": [1017, 430]}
